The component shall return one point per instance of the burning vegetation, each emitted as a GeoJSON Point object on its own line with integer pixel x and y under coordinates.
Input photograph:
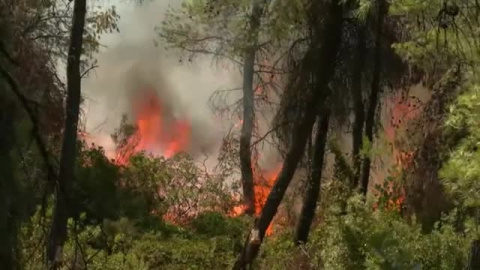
{"type": "Point", "coordinates": [156, 131]}
{"type": "Point", "coordinates": [308, 79]}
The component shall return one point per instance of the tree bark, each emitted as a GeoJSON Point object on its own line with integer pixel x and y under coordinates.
{"type": "Point", "coordinates": [373, 102]}
{"type": "Point", "coordinates": [324, 55]}
{"type": "Point", "coordinates": [359, 109]}
{"type": "Point", "coordinates": [58, 232]}
{"type": "Point", "coordinates": [8, 226]}
{"type": "Point", "coordinates": [312, 193]}
{"type": "Point", "coordinates": [474, 260]}
{"type": "Point", "coordinates": [249, 110]}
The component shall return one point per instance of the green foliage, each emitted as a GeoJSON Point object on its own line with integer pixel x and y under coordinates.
{"type": "Point", "coordinates": [364, 239]}
{"type": "Point", "coordinates": [461, 172]}
{"type": "Point", "coordinates": [95, 189]}
{"type": "Point", "coordinates": [123, 245]}
{"type": "Point", "coordinates": [221, 29]}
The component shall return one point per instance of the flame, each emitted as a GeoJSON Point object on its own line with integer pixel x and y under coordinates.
{"type": "Point", "coordinates": [404, 109]}
{"type": "Point", "coordinates": [156, 133]}
{"type": "Point", "coordinates": [262, 188]}
{"type": "Point", "coordinates": [263, 183]}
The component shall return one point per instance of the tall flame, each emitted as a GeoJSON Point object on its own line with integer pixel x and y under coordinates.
{"type": "Point", "coordinates": [157, 132]}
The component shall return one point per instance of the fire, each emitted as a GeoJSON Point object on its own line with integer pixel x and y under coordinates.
{"type": "Point", "coordinates": [263, 183]}
{"type": "Point", "coordinates": [156, 132]}
{"type": "Point", "coordinates": [262, 189]}
{"type": "Point", "coordinates": [403, 110]}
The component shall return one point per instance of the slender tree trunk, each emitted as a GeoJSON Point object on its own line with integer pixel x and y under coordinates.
{"type": "Point", "coordinates": [373, 102]}
{"type": "Point", "coordinates": [359, 109]}
{"type": "Point", "coordinates": [58, 232]}
{"type": "Point", "coordinates": [314, 183]}
{"type": "Point", "coordinates": [249, 110]}
{"type": "Point", "coordinates": [322, 55]}
{"type": "Point", "coordinates": [8, 226]}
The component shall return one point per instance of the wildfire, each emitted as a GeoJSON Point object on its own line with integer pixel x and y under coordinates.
{"type": "Point", "coordinates": [403, 110]}
{"type": "Point", "coordinates": [157, 132]}
{"type": "Point", "coordinates": [263, 183]}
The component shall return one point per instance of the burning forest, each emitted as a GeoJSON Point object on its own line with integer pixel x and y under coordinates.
{"type": "Point", "coordinates": [253, 135]}
{"type": "Point", "coordinates": [156, 132]}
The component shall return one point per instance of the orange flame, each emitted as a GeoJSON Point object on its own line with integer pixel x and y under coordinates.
{"type": "Point", "coordinates": [403, 110]}
{"type": "Point", "coordinates": [263, 183]}
{"type": "Point", "coordinates": [155, 132]}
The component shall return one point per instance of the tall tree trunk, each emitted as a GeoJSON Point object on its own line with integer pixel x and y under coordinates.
{"type": "Point", "coordinates": [373, 102]}
{"type": "Point", "coordinates": [359, 109]}
{"type": "Point", "coordinates": [249, 110]}
{"type": "Point", "coordinates": [58, 232]}
{"type": "Point", "coordinates": [314, 183]}
{"type": "Point", "coordinates": [321, 54]}
{"type": "Point", "coordinates": [8, 226]}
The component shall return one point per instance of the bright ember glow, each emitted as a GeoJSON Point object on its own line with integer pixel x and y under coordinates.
{"type": "Point", "coordinates": [157, 132]}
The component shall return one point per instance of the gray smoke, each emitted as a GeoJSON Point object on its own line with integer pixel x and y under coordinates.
{"type": "Point", "coordinates": [130, 62]}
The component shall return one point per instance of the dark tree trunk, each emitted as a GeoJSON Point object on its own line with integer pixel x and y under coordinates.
{"type": "Point", "coordinates": [8, 226]}
{"type": "Point", "coordinates": [474, 260]}
{"type": "Point", "coordinates": [322, 58]}
{"type": "Point", "coordinates": [249, 111]}
{"type": "Point", "coordinates": [312, 193]}
{"type": "Point", "coordinates": [375, 91]}
{"type": "Point", "coordinates": [58, 232]}
{"type": "Point", "coordinates": [359, 109]}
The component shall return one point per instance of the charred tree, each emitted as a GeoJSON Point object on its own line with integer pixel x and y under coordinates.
{"type": "Point", "coordinates": [249, 110]}
{"type": "Point", "coordinates": [359, 108]}
{"type": "Point", "coordinates": [321, 59]}
{"type": "Point", "coordinates": [312, 193]}
{"type": "Point", "coordinates": [375, 91]}
{"type": "Point", "coordinates": [58, 231]}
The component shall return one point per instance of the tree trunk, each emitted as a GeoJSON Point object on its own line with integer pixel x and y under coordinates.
{"type": "Point", "coordinates": [8, 226]}
{"type": "Point", "coordinates": [249, 111]}
{"type": "Point", "coordinates": [359, 109]}
{"type": "Point", "coordinates": [58, 232]}
{"type": "Point", "coordinates": [474, 260]}
{"type": "Point", "coordinates": [324, 55]}
{"type": "Point", "coordinates": [373, 102]}
{"type": "Point", "coordinates": [314, 183]}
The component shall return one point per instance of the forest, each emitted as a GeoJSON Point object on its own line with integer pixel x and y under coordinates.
{"type": "Point", "coordinates": [351, 139]}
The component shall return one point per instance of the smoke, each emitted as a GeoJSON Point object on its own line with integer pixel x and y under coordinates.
{"type": "Point", "coordinates": [130, 62]}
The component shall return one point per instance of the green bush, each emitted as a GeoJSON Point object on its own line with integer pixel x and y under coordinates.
{"type": "Point", "coordinates": [366, 239]}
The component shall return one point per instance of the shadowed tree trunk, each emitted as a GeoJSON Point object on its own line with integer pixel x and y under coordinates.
{"type": "Point", "coordinates": [8, 228]}
{"type": "Point", "coordinates": [359, 109]}
{"type": "Point", "coordinates": [321, 59]}
{"type": "Point", "coordinates": [58, 231]}
{"type": "Point", "coordinates": [474, 260]}
{"type": "Point", "coordinates": [312, 193]}
{"type": "Point", "coordinates": [375, 91]}
{"type": "Point", "coordinates": [249, 110]}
